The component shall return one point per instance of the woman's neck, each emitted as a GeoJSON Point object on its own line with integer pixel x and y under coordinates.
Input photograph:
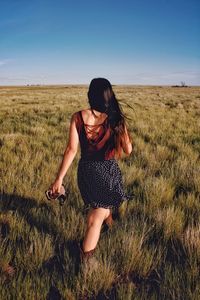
{"type": "Point", "coordinates": [96, 113]}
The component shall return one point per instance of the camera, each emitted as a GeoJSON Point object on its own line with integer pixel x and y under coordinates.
{"type": "Point", "coordinates": [61, 197]}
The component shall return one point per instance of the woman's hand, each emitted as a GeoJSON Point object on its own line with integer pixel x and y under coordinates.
{"type": "Point", "coordinates": [55, 187]}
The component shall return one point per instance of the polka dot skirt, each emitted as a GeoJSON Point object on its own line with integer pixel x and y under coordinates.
{"type": "Point", "coordinates": [100, 183]}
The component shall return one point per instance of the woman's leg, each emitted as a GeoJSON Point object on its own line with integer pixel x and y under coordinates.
{"type": "Point", "coordinates": [95, 218]}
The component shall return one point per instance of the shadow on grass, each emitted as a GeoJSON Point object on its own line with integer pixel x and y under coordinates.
{"type": "Point", "coordinates": [23, 206]}
{"type": "Point", "coordinates": [53, 294]}
{"type": "Point", "coordinates": [14, 202]}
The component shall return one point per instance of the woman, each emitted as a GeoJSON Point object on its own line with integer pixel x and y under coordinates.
{"type": "Point", "coordinates": [103, 135]}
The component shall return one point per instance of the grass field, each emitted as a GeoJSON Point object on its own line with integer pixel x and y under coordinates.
{"type": "Point", "coordinates": [153, 250]}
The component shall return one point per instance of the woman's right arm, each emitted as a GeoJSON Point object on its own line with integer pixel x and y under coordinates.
{"type": "Point", "coordinates": [126, 142]}
{"type": "Point", "coordinates": [69, 154]}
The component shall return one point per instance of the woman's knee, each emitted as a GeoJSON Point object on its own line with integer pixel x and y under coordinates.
{"type": "Point", "coordinates": [97, 216]}
{"type": "Point", "coordinates": [107, 213]}
{"type": "Point", "coordinates": [93, 220]}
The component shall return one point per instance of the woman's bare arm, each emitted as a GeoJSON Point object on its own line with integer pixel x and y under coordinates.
{"type": "Point", "coordinates": [127, 143]}
{"type": "Point", "coordinates": [71, 149]}
{"type": "Point", "coordinates": [69, 154]}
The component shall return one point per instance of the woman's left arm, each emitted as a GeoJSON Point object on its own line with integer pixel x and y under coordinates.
{"type": "Point", "coordinates": [69, 154]}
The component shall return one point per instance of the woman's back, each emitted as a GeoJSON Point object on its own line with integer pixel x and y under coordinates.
{"type": "Point", "coordinates": [94, 134]}
{"type": "Point", "coordinates": [93, 124]}
{"type": "Point", "coordinates": [90, 119]}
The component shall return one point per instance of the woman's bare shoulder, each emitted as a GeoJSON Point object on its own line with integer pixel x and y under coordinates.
{"type": "Point", "coordinates": [75, 115]}
{"type": "Point", "coordinates": [81, 111]}
{"type": "Point", "coordinates": [86, 111]}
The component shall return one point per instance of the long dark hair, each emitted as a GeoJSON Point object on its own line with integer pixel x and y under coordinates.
{"type": "Point", "coordinates": [102, 98]}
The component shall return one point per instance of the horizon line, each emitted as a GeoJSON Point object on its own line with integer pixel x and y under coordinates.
{"type": "Point", "coordinates": [85, 84]}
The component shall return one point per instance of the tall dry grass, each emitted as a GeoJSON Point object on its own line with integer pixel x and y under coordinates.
{"type": "Point", "coordinates": [152, 251]}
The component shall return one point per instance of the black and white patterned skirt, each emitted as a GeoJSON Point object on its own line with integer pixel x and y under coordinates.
{"type": "Point", "coordinates": [100, 183]}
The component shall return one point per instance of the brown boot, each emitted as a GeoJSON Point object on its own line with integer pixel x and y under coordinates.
{"type": "Point", "coordinates": [87, 259]}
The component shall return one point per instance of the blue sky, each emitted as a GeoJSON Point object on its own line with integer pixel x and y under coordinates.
{"type": "Point", "coordinates": [128, 42]}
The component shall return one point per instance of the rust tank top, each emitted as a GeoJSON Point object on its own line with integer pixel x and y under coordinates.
{"type": "Point", "coordinates": [100, 145]}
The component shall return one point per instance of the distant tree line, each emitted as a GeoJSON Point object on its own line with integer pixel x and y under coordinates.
{"type": "Point", "coordinates": [181, 85]}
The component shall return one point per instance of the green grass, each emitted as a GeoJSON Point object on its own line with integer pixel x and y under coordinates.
{"type": "Point", "coordinates": [153, 250]}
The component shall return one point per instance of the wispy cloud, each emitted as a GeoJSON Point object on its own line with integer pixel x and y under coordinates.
{"type": "Point", "coordinates": [9, 23]}
{"type": "Point", "coordinates": [170, 75]}
{"type": "Point", "coordinates": [5, 61]}
{"type": "Point", "coordinates": [8, 79]}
